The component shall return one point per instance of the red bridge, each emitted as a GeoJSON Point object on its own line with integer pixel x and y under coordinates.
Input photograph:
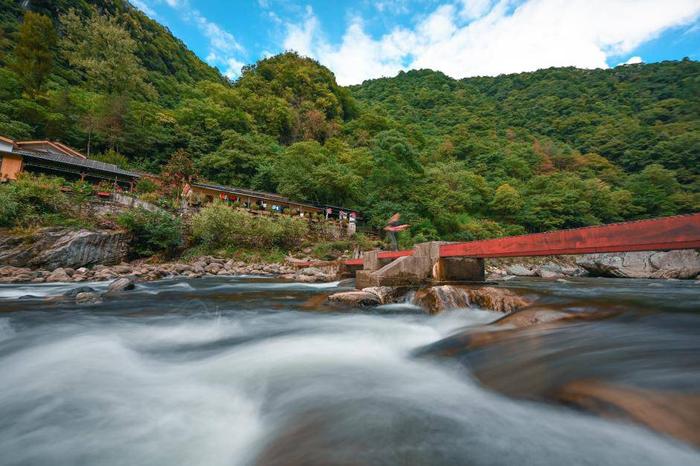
{"type": "Point", "coordinates": [666, 233]}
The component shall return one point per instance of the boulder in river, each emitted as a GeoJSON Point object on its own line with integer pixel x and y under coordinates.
{"type": "Point", "coordinates": [121, 284]}
{"type": "Point", "coordinates": [672, 413]}
{"type": "Point", "coordinates": [386, 294]}
{"type": "Point", "coordinates": [355, 298]}
{"type": "Point", "coordinates": [497, 299]}
{"type": "Point", "coordinates": [530, 317]}
{"type": "Point", "coordinates": [510, 326]}
{"type": "Point", "coordinates": [436, 299]}
{"type": "Point", "coordinates": [88, 297]}
{"type": "Point", "coordinates": [73, 292]}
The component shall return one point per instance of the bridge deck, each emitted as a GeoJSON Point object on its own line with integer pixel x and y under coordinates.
{"type": "Point", "coordinates": [666, 233]}
{"type": "Point", "coordinates": [678, 232]}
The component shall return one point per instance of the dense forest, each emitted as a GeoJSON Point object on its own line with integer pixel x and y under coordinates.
{"type": "Point", "coordinates": [460, 159]}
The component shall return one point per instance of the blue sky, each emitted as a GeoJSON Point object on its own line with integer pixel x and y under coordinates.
{"type": "Point", "coordinates": [366, 39]}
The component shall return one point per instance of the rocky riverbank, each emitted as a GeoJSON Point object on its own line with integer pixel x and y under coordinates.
{"type": "Point", "coordinates": [141, 271]}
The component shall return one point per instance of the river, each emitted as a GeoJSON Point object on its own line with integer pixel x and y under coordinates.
{"type": "Point", "coordinates": [253, 371]}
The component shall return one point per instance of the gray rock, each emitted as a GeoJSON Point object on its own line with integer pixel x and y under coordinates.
{"type": "Point", "coordinates": [72, 293]}
{"type": "Point", "coordinates": [520, 271]}
{"type": "Point", "coordinates": [88, 298]}
{"type": "Point", "coordinates": [311, 271]}
{"type": "Point", "coordinates": [122, 269]}
{"type": "Point", "coordinates": [355, 298]}
{"type": "Point", "coordinates": [545, 273]}
{"type": "Point", "coordinates": [58, 275]}
{"type": "Point", "coordinates": [181, 268]}
{"type": "Point", "coordinates": [645, 264]}
{"type": "Point", "coordinates": [121, 284]}
{"type": "Point", "coordinates": [212, 268]}
{"type": "Point", "coordinates": [60, 247]}
{"type": "Point", "coordinates": [676, 264]}
{"type": "Point", "coordinates": [386, 294]}
{"type": "Point", "coordinates": [306, 278]}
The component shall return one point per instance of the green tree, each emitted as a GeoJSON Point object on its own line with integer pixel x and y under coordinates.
{"type": "Point", "coordinates": [653, 189]}
{"type": "Point", "coordinates": [506, 201]}
{"type": "Point", "coordinates": [34, 52]}
{"type": "Point", "coordinates": [179, 170]}
{"type": "Point", "coordinates": [106, 52]}
{"type": "Point", "coordinates": [239, 158]}
{"type": "Point", "coordinates": [113, 157]}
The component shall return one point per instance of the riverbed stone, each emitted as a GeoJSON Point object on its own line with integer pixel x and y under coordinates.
{"type": "Point", "coordinates": [88, 298]}
{"type": "Point", "coordinates": [549, 274]}
{"type": "Point", "coordinates": [58, 275]}
{"type": "Point", "coordinates": [355, 298]}
{"type": "Point", "coordinates": [386, 294]}
{"type": "Point", "coordinates": [73, 292]}
{"type": "Point", "coordinates": [497, 299]}
{"type": "Point", "coordinates": [121, 284]}
{"type": "Point", "coordinates": [530, 317]}
{"type": "Point", "coordinates": [520, 271]}
{"type": "Point", "coordinates": [671, 413]}
{"type": "Point", "coordinates": [310, 271]}
{"type": "Point", "coordinates": [122, 269]}
{"type": "Point", "coordinates": [436, 299]}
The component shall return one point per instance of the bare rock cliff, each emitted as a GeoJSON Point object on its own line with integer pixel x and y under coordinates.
{"type": "Point", "coordinates": [51, 248]}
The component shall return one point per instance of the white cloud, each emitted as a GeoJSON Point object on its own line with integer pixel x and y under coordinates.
{"type": "Point", "coordinates": [358, 56]}
{"type": "Point", "coordinates": [143, 6]}
{"type": "Point", "coordinates": [473, 9]}
{"type": "Point", "coordinates": [233, 68]}
{"type": "Point", "coordinates": [300, 37]}
{"type": "Point", "coordinates": [223, 46]}
{"type": "Point", "coordinates": [219, 39]}
{"type": "Point", "coordinates": [391, 6]}
{"type": "Point", "coordinates": [632, 61]}
{"type": "Point", "coordinates": [480, 37]}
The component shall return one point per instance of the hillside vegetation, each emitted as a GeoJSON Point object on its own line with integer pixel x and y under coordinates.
{"type": "Point", "coordinates": [460, 159]}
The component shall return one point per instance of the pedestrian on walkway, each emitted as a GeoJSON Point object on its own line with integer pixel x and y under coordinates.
{"type": "Point", "coordinates": [392, 227]}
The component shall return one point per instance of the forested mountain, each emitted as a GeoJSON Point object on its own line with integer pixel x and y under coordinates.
{"type": "Point", "coordinates": [461, 159]}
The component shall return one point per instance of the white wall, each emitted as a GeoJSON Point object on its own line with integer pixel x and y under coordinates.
{"type": "Point", "coordinates": [5, 146]}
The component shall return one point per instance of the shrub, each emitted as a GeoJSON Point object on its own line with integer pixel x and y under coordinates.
{"type": "Point", "coordinates": [113, 157]}
{"type": "Point", "coordinates": [153, 198]}
{"type": "Point", "coordinates": [33, 200]}
{"type": "Point", "coordinates": [219, 226]}
{"type": "Point", "coordinates": [152, 232]}
{"type": "Point", "coordinates": [330, 250]}
{"type": "Point", "coordinates": [8, 207]}
{"type": "Point", "coordinates": [145, 186]}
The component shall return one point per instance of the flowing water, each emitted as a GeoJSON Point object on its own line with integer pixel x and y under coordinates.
{"type": "Point", "coordinates": [252, 371]}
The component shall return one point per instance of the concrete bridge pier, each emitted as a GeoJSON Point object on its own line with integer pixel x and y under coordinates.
{"type": "Point", "coordinates": [424, 266]}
